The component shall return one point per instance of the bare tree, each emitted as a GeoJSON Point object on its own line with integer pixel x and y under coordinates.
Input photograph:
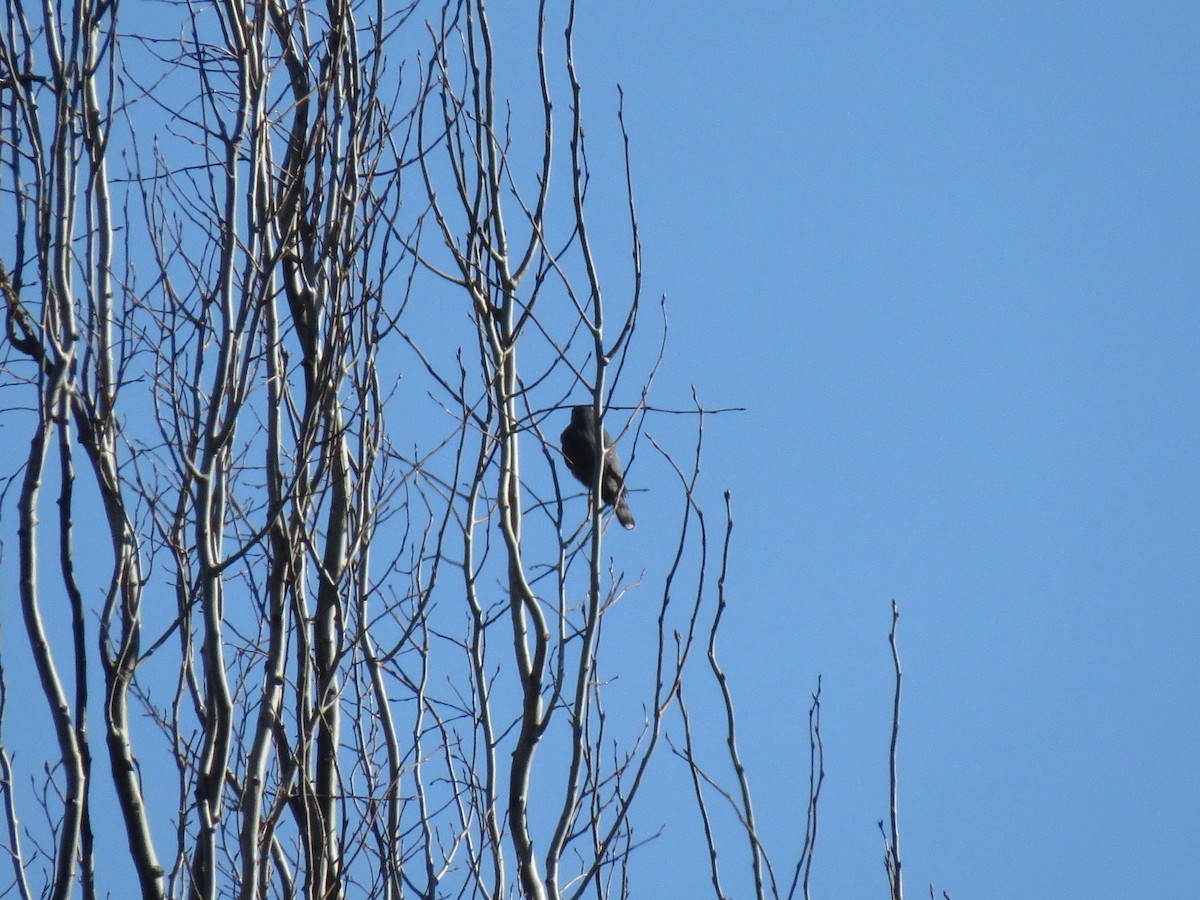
{"type": "Point", "coordinates": [308, 295]}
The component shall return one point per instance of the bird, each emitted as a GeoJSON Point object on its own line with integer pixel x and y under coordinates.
{"type": "Point", "coordinates": [579, 451]}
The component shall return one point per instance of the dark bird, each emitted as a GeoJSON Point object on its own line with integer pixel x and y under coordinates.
{"type": "Point", "coordinates": [579, 450]}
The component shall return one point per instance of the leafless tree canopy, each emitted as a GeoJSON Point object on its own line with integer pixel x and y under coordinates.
{"type": "Point", "coordinates": [297, 298]}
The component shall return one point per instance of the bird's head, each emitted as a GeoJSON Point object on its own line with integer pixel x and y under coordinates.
{"type": "Point", "coordinates": [582, 417]}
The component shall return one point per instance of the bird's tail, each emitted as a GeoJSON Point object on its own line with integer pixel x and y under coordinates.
{"type": "Point", "coordinates": [624, 516]}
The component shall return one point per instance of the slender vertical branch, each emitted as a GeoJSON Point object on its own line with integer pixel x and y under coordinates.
{"type": "Point", "coordinates": [9, 800]}
{"type": "Point", "coordinates": [746, 809]}
{"type": "Point", "coordinates": [892, 840]}
{"type": "Point", "coordinates": [51, 684]}
{"type": "Point", "coordinates": [816, 778]}
{"type": "Point", "coordinates": [66, 555]}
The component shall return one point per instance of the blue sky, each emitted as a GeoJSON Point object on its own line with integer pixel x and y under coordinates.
{"type": "Point", "coordinates": [947, 256]}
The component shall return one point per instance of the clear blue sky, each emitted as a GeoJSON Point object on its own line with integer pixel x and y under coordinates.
{"type": "Point", "coordinates": [947, 255]}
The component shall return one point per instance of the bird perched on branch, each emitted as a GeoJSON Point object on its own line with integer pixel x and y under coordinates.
{"type": "Point", "coordinates": [579, 450]}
